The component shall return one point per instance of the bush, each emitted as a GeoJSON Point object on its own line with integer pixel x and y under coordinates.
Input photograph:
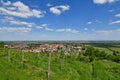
{"type": "Point", "coordinates": [95, 53]}
{"type": "Point", "coordinates": [114, 58]}
{"type": "Point", "coordinates": [1, 44]}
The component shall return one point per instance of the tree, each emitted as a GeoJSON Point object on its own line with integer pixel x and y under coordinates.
{"type": "Point", "coordinates": [114, 58]}
{"type": "Point", "coordinates": [1, 44]}
{"type": "Point", "coordinates": [95, 54]}
{"type": "Point", "coordinates": [89, 52]}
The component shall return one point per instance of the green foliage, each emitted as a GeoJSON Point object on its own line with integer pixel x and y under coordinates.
{"type": "Point", "coordinates": [95, 54]}
{"type": "Point", "coordinates": [114, 58]}
{"type": "Point", "coordinates": [1, 44]}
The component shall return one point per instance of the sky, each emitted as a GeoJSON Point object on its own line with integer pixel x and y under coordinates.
{"type": "Point", "coordinates": [59, 20]}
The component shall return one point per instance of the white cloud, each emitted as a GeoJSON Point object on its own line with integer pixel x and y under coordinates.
{"type": "Point", "coordinates": [59, 9]}
{"type": "Point", "coordinates": [117, 15]}
{"type": "Point", "coordinates": [13, 21]}
{"type": "Point", "coordinates": [103, 1]}
{"type": "Point", "coordinates": [111, 10]}
{"type": "Point", "coordinates": [85, 29]}
{"type": "Point", "coordinates": [71, 30]}
{"type": "Point", "coordinates": [55, 11]}
{"type": "Point", "coordinates": [6, 4]}
{"type": "Point", "coordinates": [6, 19]}
{"type": "Point", "coordinates": [44, 25]}
{"type": "Point", "coordinates": [20, 10]}
{"type": "Point", "coordinates": [105, 32]}
{"type": "Point", "coordinates": [41, 26]}
{"type": "Point", "coordinates": [115, 22]}
{"type": "Point", "coordinates": [118, 30]}
{"type": "Point", "coordinates": [22, 23]}
{"type": "Point", "coordinates": [11, 8]}
{"type": "Point", "coordinates": [49, 29]}
{"type": "Point", "coordinates": [98, 21]}
{"type": "Point", "coordinates": [60, 30]}
{"type": "Point", "coordinates": [97, 35]}
{"type": "Point", "coordinates": [100, 1]}
{"type": "Point", "coordinates": [38, 14]}
{"type": "Point", "coordinates": [108, 33]}
{"type": "Point", "coordinates": [67, 30]}
{"type": "Point", "coordinates": [49, 5]}
{"type": "Point", "coordinates": [89, 22]}
{"type": "Point", "coordinates": [15, 29]}
{"type": "Point", "coordinates": [9, 18]}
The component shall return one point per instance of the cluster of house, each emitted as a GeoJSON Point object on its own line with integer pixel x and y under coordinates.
{"type": "Point", "coordinates": [46, 47]}
{"type": "Point", "coordinates": [49, 47]}
{"type": "Point", "coordinates": [16, 46]}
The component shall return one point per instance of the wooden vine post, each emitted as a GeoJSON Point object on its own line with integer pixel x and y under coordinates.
{"type": "Point", "coordinates": [8, 54]}
{"type": "Point", "coordinates": [22, 59]}
{"type": "Point", "coordinates": [48, 74]}
{"type": "Point", "coordinates": [93, 71]}
{"type": "Point", "coordinates": [62, 60]}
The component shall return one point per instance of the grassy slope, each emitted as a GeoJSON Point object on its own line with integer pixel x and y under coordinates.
{"type": "Point", "coordinates": [10, 72]}
{"type": "Point", "coordinates": [105, 70]}
{"type": "Point", "coordinates": [36, 68]}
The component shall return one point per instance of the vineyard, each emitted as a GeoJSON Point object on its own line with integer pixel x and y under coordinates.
{"type": "Point", "coordinates": [19, 65]}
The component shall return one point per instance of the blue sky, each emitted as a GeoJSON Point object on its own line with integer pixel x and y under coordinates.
{"type": "Point", "coordinates": [59, 20]}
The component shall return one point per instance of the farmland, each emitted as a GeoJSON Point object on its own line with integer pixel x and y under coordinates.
{"type": "Point", "coordinates": [95, 61]}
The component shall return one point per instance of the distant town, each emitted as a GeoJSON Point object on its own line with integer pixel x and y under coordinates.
{"type": "Point", "coordinates": [35, 48]}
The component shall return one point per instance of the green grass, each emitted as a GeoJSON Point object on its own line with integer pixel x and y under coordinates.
{"type": "Point", "coordinates": [36, 68]}
{"type": "Point", "coordinates": [9, 71]}
{"type": "Point", "coordinates": [105, 70]}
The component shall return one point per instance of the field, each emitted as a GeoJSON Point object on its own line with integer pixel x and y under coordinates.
{"type": "Point", "coordinates": [34, 66]}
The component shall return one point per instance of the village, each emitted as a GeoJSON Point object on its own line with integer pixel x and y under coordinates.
{"type": "Point", "coordinates": [72, 49]}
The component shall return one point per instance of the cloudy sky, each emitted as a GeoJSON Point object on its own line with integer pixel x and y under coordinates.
{"type": "Point", "coordinates": [59, 20]}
